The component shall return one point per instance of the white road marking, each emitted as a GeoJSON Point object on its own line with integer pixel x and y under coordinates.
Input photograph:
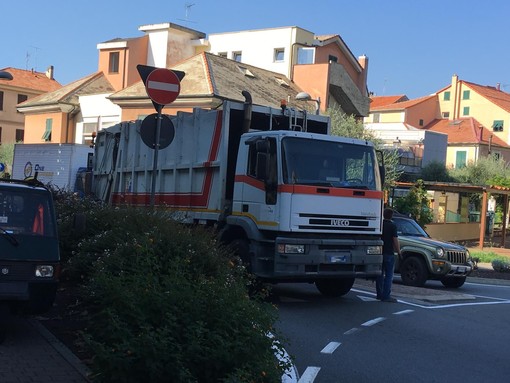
{"type": "Point", "coordinates": [330, 348]}
{"type": "Point", "coordinates": [158, 85]}
{"type": "Point", "coordinates": [403, 312]}
{"type": "Point", "coordinates": [455, 304]}
{"type": "Point", "coordinates": [351, 331]}
{"type": "Point", "coordinates": [366, 299]}
{"type": "Point", "coordinates": [309, 375]}
{"type": "Point", "coordinates": [373, 321]}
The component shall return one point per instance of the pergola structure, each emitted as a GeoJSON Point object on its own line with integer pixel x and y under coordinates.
{"type": "Point", "coordinates": [468, 188]}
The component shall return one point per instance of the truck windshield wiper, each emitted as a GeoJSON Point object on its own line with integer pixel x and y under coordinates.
{"type": "Point", "coordinates": [8, 236]}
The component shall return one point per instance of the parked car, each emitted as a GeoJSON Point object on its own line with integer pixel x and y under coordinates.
{"type": "Point", "coordinates": [424, 258]}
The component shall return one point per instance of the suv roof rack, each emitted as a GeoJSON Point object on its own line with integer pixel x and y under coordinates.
{"type": "Point", "coordinates": [29, 181]}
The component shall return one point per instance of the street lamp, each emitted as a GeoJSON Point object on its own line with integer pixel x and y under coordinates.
{"type": "Point", "coordinates": [5, 75]}
{"type": "Point", "coordinates": [303, 96]}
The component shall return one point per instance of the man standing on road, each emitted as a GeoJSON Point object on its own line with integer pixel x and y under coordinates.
{"type": "Point", "coordinates": [390, 246]}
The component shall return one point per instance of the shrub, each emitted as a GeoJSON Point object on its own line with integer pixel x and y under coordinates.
{"type": "Point", "coordinates": [500, 265]}
{"type": "Point", "coordinates": [167, 303]}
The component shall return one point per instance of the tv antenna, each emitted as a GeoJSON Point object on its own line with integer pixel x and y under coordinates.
{"type": "Point", "coordinates": [28, 56]}
{"type": "Point", "coordinates": [187, 7]}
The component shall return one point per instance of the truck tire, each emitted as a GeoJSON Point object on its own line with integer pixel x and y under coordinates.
{"type": "Point", "coordinates": [453, 282]}
{"type": "Point", "coordinates": [333, 288]}
{"type": "Point", "coordinates": [413, 272]}
{"type": "Point", "coordinates": [241, 248]}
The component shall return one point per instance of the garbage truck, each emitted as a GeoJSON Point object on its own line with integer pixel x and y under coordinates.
{"type": "Point", "coordinates": [296, 203]}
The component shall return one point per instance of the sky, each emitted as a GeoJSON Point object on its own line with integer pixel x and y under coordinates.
{"type": "Point", "coordinates": [413, 47]}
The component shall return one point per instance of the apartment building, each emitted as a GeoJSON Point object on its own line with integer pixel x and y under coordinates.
{"type": "Point", "coordinates": [25, 85]}
{"type": "Point", "coordinates": [322, 65]}
{"type": "Point", "coordinates": [475, 118]}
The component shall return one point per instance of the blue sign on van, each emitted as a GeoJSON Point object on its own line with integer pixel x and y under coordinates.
{"type": "Point", "coordinates": [2, 167]}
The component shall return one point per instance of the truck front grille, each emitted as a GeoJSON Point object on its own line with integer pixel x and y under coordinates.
{"type": "Point", "coordinates": [338, 222]}
{"type": "Point", "coordinates": [456, 257]}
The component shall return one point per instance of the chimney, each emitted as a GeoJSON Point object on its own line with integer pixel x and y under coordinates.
{"type": "Point", "coordinates": [363, 62]}
{"type": "Point", "coordinates": [498, 86]}
{"type": "Point", "coordinates": [49, 72]}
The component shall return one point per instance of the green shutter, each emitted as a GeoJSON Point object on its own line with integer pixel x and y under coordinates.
{"type": "Point", "coordinates": [47, 133]}
{"type": "Point", "coordinates": [460, 159]}
{"type": "Point", "coordinates": [497, 126]}
{"type": "Point", "coordinates": [465, 95]}
{"type": "Point", "coordinates": [446, 96]}
{"type": "Point", "coordinates": [465, 111]}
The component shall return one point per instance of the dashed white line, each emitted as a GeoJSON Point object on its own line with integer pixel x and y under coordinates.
{"type": "Point", "coordinates": [309, 375]}
{"type": "Point", "coordinates": [403, 312]}
{"type": "Point", "coordinates": [330, 348]}
{"type": "Point", "coordinates": [351, 331]}
{"type": "Point", "coordinates": [373, 321]}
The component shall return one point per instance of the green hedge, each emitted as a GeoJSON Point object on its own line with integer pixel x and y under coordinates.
{"type": "Point", "coordinates": [165, 301]}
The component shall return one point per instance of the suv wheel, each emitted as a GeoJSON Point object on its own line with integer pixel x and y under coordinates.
{"type": "Point", "coordinates": [453, 281]}
{"type": "Point", "coordinates": [413, 272]}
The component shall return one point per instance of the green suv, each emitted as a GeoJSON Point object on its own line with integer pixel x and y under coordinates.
{"type": "Point", "coordinates": [424, 258]}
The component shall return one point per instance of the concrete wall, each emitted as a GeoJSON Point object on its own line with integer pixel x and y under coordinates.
{"type": "Point", "coordinates": [454, 232]}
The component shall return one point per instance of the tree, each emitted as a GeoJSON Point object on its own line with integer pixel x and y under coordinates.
{"type": "Point", "coordinates": [482, 171]}
{"type": "Point", "coordinates": [416, 204]}
{"type": "Point", "coordinates": [348, 126]}
{"type": "Point", "coordinates": [6, 156]}
{"type": "Point", "coordinates": [436, 171]}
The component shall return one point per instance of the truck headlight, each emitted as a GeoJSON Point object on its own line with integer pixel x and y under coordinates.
{"type": "Point", "coordinates": [374, 250]}
{"type": "Point", "coordinates": [440, 252]}
{"type": "Point", "coordinates": [44, 271]}
{"type": "Point", "coordinates": [286, 248]}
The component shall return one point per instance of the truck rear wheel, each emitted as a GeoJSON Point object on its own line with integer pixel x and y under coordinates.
{"type": "Point", "coordinates": [413, 272]}
{"type": "Point", "coordinates": [334, 287]}
{"type": "Point", "coordinates": [242, 250]}
{"type": "Point", "coordinates": [453, 281]}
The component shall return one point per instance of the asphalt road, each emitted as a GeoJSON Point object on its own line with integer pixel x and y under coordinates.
{"type": "Point", "coordinates": [432, 334]}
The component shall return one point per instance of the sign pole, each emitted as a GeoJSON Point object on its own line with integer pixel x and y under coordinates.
{"type": "Point", "coordinates": [156, 150]}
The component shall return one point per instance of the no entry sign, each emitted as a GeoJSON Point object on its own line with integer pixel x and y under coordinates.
{"type": "Point", "coordinates": [163, 86]}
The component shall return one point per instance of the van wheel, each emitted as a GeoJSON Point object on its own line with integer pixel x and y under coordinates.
{"type": "Point", "coordinates": [333, 288]}
{"type": "Point", "coordinates": [413, 272]}
{"type": "Point", "coordinates": [453, 282]}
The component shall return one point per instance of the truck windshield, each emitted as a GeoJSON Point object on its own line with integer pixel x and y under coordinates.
{"type": "Point", "coordinates": [328, 163]}
{"type": "Point", "coordinates": [25, 212]}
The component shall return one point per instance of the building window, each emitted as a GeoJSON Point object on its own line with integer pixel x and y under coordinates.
{"type": "Point", "coordinates": [223, 54]}
{"type": "Point", "coordinates": [47, 133]}
{"type": "Point", "coordinates": [460, 159]}
{"type": "Point", "coordinates": [22, 98]}
{"type": "Point", "coordinates": [496, 155]}
{"type": "Point", "coordinates": [237, 56]}
{"type": "Point", "coordinates": [421, 122]}
{"type": "Point", "coordinates": [279, 54]}
{"type": "Point", "coordinates": [113, 66]}
{"type": "Point", "coordinates": [465, 111]}
{"type": "Point", "coordinates": [446, 114]}
{"type": "Point", "coordinates": [465, 95]}
{"type": "Point", "coordinates": [20, 135]}
{"type": "Point", "coordinates": [377, 117]}
{"type": "Point", "coordinates": [1, 100]}
{"type": "Point", "coordinates": [0, 134]}
{"type": "Point", "coordinates": [332, 59]}
{"type": "Point", "coordinates": [306, 56]}
{"type": "Point", "coordinates": [446, 96]}
{"type": "Point", "coordinates": [497, 126]}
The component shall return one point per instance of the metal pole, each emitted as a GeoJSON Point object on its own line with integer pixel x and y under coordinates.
{"type": "Point", "coordinates": [156, 150]}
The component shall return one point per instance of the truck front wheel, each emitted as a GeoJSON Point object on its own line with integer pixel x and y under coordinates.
{"type": "Point", "coordinates": [333, 288]}
{"type": "Point", "coordinates": [453, 281]}
{"type": "Point", "coordinates": [413, 272]}
{"type": "Point", "coordinates": [241, 248]}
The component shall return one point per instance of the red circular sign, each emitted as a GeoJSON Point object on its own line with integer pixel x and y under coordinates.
{"type": "Point", "coordinates": [163, 86]}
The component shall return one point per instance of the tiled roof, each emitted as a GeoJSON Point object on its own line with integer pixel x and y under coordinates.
{"type": "Point", "coordinates": [31, 80]}
{"type": "Point", "coordinates": [403, 104]}
{"type": "Point", "coordinates": [92, 84]}
{"type": "Point", "coordinates": [209, 75]}
{"type": "Point", "coordinates": [378, 101]}
{"type": "Point", "coordinates": [465, 131]}
{"type": "Point", "coordinates": [498, 97]}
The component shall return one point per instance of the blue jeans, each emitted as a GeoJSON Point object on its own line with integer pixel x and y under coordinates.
{"type": "Point", "coordinates": [383, 282]}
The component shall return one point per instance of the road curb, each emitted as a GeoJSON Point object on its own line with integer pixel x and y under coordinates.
{"type": "Point", "coordinates": [67, 354]}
